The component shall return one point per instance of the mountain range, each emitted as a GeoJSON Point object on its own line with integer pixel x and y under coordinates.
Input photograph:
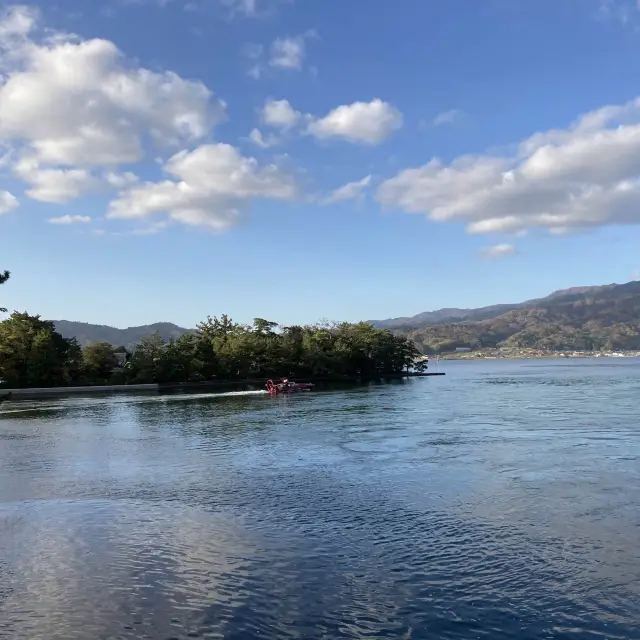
{"type": "Point", "coordinates": [581, 319]}
{"type": "Point", "coordinates": [595, 317]}
{"type": "Point", "coordinates": [446, 316]}
{"type": "Point", "coordinates": [88, 333]}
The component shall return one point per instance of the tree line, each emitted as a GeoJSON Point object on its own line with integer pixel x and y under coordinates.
{"type": "Point", "coordinates": [34, 354]}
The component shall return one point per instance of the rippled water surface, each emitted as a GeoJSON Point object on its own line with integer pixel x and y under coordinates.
{"type": "Point", "coordinates": [501, 501]}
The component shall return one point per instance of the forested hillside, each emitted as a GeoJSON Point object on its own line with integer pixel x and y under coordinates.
{"type": "Point", "coordinates": [583, 319]}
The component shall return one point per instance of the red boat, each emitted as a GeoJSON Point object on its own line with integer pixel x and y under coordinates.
{"type": "Point", "coordinates": [285, 386]}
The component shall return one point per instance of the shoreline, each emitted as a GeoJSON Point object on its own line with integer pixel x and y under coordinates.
{"type": "Point", "coordinates": [541, 356]}
{"type": "Point", "coordinates": [157, 388]}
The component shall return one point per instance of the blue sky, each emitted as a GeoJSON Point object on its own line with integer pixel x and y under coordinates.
{"type": "Point", "coordinates": [306, 159]}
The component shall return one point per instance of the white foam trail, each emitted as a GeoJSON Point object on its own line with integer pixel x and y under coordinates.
{"type": "Point", "coordinates": [70, 402]}
{"type": "Point", "coordinates": [194, 396]}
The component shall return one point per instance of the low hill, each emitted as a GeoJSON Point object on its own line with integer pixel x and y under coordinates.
{"type": "Point", "coordinates": [444, 316]}
{"type": "Point", "coordinates": [581, 318]}
{"type": "Point", "coordinates": [87, 333]}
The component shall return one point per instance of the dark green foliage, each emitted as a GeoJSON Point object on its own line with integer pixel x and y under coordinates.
{"type": "Point", "coordinates": [222, 349]}
{"type": "Point", "coordinates": [4, 276]}
{"type": "Point", "coordinates": [32, 353]}
{"type": "Point", "coordinates": [99, 362]}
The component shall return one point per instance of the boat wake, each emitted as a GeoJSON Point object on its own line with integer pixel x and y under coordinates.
{"type": "Point", "coordinates": [66, 403]}
{"type": "Point", "coordinates": [196, 396]}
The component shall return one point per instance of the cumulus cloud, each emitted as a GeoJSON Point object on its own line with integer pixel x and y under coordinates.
{"type": "Point", "coordinates": [448, 117]}
{"type": "Point", "coordinates": [586, 175]}
{"type": "Point", "coordinates": [16, 22]}
{"type": "Point", "coordinates": [361, 122]}
{"type": "Point", "coordinates": [8, 202]}
{"type": "Point", "coordinates": [263, 141]}
{"type": "Point", "coordinates": [279, 113]}
{"type": "Point", "coordinates": [69, 106]}
{"type": "Point", "coordinates": [289, 52]}
{"type": "Point", "coordinates": [54, 185]}
{"type": "Point", "coordinates": [210, 186]}
{"type": "Point", "coordinates": [349, 191]}
{"type": "Point", "coordinates": [498, 251]}
{"type": "Point", "coordinates": [68, 219]}
{"type": "Point", "coordinates": [120, 180]}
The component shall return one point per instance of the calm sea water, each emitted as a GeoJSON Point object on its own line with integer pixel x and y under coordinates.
{"type": "Point", "coordinates": [501, 501]}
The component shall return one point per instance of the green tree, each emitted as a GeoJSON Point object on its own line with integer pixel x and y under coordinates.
{"type": "Point", "coordinates": [99, 361]}
{"type": "Point", "coordinates": [264, 327]}
{"type": "Point", "coordinates": [148, 362]}
{"type": "Point", "coordinates": [4, 276]}
{"type": "Point", "coordinates": [34, 354]}
{"type": "Point", "coordinates": [291, 351]}
{"type": "Point", "coordinates": [217, 328]}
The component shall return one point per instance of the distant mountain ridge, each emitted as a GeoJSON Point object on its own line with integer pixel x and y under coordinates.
{"type": "Point", "coordinates": [449, 316]}
{"type": "Point", "coordinates": [601, 318]}
{"type": "Point", "coordinates": [88, 333]}
{"type": "Point", "coordinates": [579, 317]}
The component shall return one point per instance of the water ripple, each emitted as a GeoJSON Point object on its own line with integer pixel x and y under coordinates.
{"type": "Point", "coordinates": [498, 502]}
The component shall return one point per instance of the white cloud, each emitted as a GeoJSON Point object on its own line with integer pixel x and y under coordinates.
{"type": "Point", "coordinates": [284, 53]}
{"type": "Point", "coordinates": [448, 117]}
{"type": "Point", "coordinates": [349, 191]}
{"type": "Point", "coordinates": [498, 251]}
{"type": "Point", "coordinates": [16, 22]}
{"type": "Point", "coordinates": [288, 53]}
{"type": "Point", "coordinates": [68, 219]}
{"type": "Point", "coordinates": [210, 186]}
{"type": "Point", "coordinates": [70, 105]}
{"type": "Point", "coordinates": [587, 175]}
{"type": "Point", "coordinates": [120, 180]}
{"type": "Point", "coordinates": [279, 113]}
{"type": "Point", "coordinates": [54, 185]}
{"type": "Point", "coordinates": [361, 122]}
{"type": "Point", "coordinates": [8, 202]}
{"type": "Point", "coordinates": [264, 142]}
